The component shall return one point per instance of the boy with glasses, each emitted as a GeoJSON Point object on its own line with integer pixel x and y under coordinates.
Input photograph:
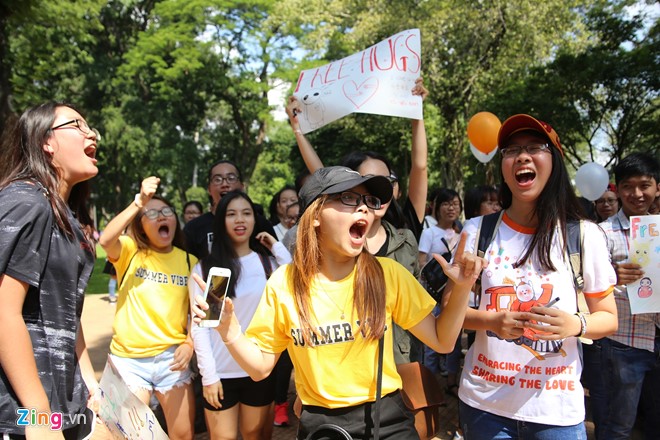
{"type": "Point", "coordinates": [224, 176]}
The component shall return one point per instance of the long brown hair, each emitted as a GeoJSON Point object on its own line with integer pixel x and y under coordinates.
{"type": "Point", "coordinates": [23, 158]}
{"type": "Point", "coordinates": [368, 285]}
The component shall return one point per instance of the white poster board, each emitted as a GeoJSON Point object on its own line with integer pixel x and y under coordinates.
{"type": "Point", "coordinates": [377, 80]}
{"type": "Point", "coordinates": [644, 294]}
{"type": "Point", "coordinates": [126, 416]}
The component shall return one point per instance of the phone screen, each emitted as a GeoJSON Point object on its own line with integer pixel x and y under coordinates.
{"type": "Point", "coordinates": [217, 290]}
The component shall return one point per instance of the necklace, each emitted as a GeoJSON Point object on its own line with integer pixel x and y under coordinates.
{"type": "Point", "coordinates": [340, 309]}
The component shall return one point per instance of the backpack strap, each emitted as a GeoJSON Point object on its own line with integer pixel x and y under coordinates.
{"type": "Point", "coordinates": [574, 238]}
{"type": "Point", "coordinates": [485, 233]}
{"type": "Point", "coordinates": [487, 227]}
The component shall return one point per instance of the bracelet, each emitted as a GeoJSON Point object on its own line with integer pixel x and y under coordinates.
{"type": "Point", "coordinates": [583, 324]}
{"type": "Point", "coordinates": [298, 131]}
{"type": "Point", "coordinates": [235, 338]}
{"type": "Point", "coordinates": [138, 201]}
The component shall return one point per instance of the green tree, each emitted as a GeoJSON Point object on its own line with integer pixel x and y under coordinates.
{"type": "Point", "coordinates": [604, 99]}
{"type": "Point", "coordinates": [470, 50]}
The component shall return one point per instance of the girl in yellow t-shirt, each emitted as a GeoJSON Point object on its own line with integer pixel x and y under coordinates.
{"type": "Point", "coordinates": [151, 347]}
{"type": "Point", "coordinates": [333, 304]}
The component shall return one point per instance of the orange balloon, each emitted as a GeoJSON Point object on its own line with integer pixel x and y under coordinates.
{"type": "Point", "coordinates": [482, 131]}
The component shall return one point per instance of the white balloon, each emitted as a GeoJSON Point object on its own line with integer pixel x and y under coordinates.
{"type": "Point", "coordinates": [482, 157]}
{"type": "Point", "coordinates": [591, 180]}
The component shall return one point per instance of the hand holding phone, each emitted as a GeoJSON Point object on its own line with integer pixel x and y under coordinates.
{"type": "Point", "coordinates": [217, 284]}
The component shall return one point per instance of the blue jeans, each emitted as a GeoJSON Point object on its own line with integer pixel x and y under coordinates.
{"type": "Point", "coordinates": [593, 378]}
{"type": "Point", "coordinates": [482, 425]}
{"type": "Point", "coordinates": [631, 373]}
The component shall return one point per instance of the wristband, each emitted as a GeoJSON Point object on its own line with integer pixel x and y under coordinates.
{"type": "Point", "coordinates": [235, 338]}
{"type": "Point", "coordinates": [298, 131]}
{"type": "Point", "coordinates": [138, 201]}
{"type": "Point", "coordinates": [583, 324]}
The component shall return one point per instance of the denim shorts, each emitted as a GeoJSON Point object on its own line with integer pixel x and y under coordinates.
{"type": "Point", "coordinates": [482, 425]}
{"type": "Point", "coordinates": [152, 373]}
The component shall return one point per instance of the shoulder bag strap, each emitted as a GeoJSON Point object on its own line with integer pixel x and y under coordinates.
{"type": "Point", "coordinates": [379, 388]}
{"type": "Point", "coordinates": [126, 271]}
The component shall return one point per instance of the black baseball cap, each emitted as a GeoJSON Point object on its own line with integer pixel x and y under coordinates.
{"type": "Point", "coordinates": [333, 180]}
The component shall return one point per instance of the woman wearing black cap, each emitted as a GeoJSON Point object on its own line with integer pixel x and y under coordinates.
{"type": "Point", "coordinates": [521, 377]}
{"type": "Point", "coordinates": [331, 307]}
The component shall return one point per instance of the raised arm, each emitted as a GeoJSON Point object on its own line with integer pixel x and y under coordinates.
{"type": "Point", "coordinates": [418, 183]}
{"type": "Point", "coordinates": [109, 240]}
{"type": "Point", "coordinates": [312, 160]}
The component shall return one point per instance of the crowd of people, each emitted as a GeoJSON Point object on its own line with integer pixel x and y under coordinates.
{"type": "Point", "coordinates": [328, 286]}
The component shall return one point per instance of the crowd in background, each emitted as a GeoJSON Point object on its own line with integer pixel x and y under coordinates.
{"type": "Point", "coordinates": [338, 248]}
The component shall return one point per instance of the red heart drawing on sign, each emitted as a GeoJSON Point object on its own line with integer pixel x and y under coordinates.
{"type": "Point", "coordinates": [360, 95]}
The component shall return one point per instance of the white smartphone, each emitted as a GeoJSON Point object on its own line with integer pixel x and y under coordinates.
{"type": "Point", "coordinates": [217, 284]}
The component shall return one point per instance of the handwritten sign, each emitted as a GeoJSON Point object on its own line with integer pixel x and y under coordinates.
{"type": "Point", "coordinates": [377, 80]}
{"type": "Point", "coordinates": [644, 294]}
{"type": "Point", "coordinates": [125, 415]}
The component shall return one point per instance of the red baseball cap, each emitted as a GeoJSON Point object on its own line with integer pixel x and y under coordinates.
{"type": "Point", "coordinates": [522, 122]}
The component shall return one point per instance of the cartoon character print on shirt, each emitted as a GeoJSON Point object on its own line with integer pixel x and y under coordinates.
{"type": "Point", "coordinates": [521, 296]}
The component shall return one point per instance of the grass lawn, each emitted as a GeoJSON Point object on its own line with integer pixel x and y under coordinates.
{"type": "Point", "coordinates": [98, 283]}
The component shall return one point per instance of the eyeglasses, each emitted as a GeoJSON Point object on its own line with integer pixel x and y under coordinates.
{"type": "Point", "coordinates": [152, 214]}
{"type": "Point", "coordinates": [606, 201]}
{"type": "Point", "coordinates": [218, 179]}
{"type": "Point", "coordinates": [446, 205]}
{"type": "Point", "coordinates": [350, 198]}
{"type": "Point", "coordinates": [80, 124]}
{"type": "Point", "coordinates": [515, 150]}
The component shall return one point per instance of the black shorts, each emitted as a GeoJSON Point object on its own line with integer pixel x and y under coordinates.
{"type": "Point", "coordinates": [246, 391]}
{"type": "Point", "coordinates": [396, 421]}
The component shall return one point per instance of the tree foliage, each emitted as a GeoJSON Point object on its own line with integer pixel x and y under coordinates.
{"type": "Point", "coordinates": [175, 85]}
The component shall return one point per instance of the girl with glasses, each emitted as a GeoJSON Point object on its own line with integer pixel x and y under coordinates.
{"type": "Point", "coordinates": [608, 204]}
{"type": "Point", "coordinates": [333, 304]}
{"type": "Point", "coordinates": [234, 402]}
{"type": "Point", "coordinates": [521, 377]}
{"type": "Point", "coordinates": [395, 231]}
{"type": "Point", "coordinates": [46, 259]}
{"type": "Point", "coordinates": [151, 345]}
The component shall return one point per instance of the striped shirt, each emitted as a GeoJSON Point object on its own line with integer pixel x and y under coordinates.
{"type": "Point", "coordinates": [636, 331]}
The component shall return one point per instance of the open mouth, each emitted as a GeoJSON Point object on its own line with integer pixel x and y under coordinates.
{"type": "Point", "coordinates": [358, 229]}
{"type": "Point", "coordinates": [164, 231]}
{"type": "Point", "coordinates": [91, 152]}
{"type": "Point", "coordinates": [525, 176]}
{"type": "Point", "coordinates": [240, 230]}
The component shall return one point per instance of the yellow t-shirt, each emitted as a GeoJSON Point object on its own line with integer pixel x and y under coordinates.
{"type": "Point", "coordinates": [152, 304]}
{"type": "Point", "coordinates": [341, 370]}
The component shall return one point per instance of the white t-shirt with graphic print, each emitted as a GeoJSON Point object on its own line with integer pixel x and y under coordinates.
{"type": "Point", "coordinates": [529, 379]}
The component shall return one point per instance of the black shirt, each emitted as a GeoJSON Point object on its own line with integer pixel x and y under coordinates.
{"type": "Point", "coordinates": [57, 269]}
